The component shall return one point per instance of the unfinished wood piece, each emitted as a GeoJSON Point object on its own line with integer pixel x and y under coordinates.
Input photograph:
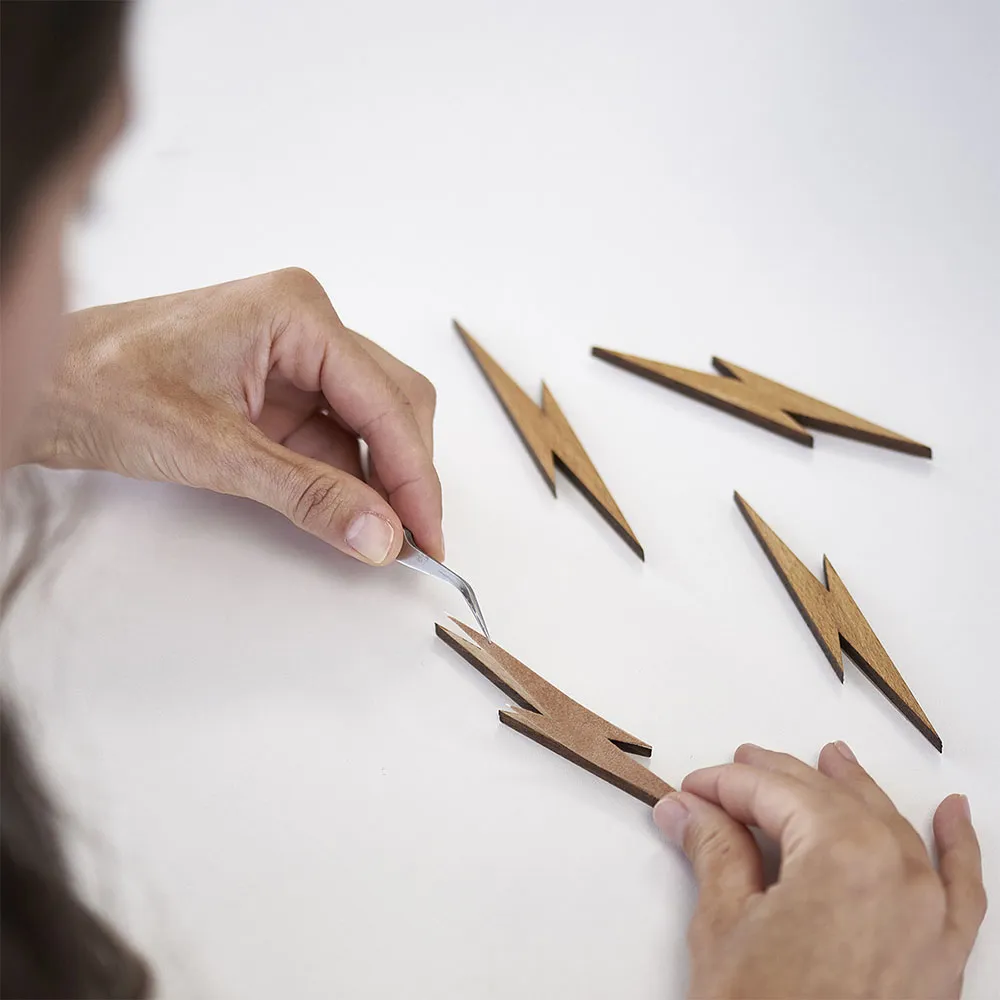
{"type": "Point", "coordinates": [548, 436]}
{"type": "Point", "coordinates": [763, 402]}
{"type": "Point", "coordinates": [836, 621]}
{"type": "Point", "coordinates": [544, 714]}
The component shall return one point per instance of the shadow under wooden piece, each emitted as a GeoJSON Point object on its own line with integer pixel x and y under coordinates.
{"type": "Point", "coordinates": [837, 622]}
{"type": "Point", "coordinates": [760, 401]}
{"type": "Point", "coordinates": [547, 434]}
{"type": "Point", "coordinates": [547, 716]}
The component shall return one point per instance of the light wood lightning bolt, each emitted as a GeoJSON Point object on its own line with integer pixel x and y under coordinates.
{"type": "Point", "coordinates": [763, 402]}
{"type": "Point", "coordinates": [547, 716]}
{"type": "Point", "coordinates": [547, 434]}
{"type": "Point", "coordinates": [836, 621]}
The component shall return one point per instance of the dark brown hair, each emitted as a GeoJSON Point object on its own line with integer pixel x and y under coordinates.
{"type": "Point", "coordinates": [58, 60]}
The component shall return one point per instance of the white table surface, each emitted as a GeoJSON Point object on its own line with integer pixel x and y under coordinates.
{"type": "Point", "coordinates": [278, 778]}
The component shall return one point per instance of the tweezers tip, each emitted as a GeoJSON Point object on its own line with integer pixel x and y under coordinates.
{"type": "Point", "coordinates": [481, 622]}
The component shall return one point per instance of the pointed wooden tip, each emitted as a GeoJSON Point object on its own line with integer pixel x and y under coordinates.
{"type": "Point", "coordinates": [625, 534]}
{"type": "Point", "coordinates": [913, 714]}
{"type": "Point", "coordinates": [931, 736]}
{"type": "Point", "coordinates": [755, 522]}
{"type": "Point", "coordinates": [477, 637]}
{"type": "Point", "coordinates": [633, 543]}
{"type": "Point", "coordinates": [604, 354]}
{"type": "Point", "coordinates": [475, 348]}
{"type": "Point", "coordinates": [441, 632]}
{"type": "Point", "coordinates": [745, 509]}
{"type": "Point", "coordinates": [618, 523]}
{"type": "Point", "coordinates": [628, 362]}
{"type": "Point", "coordinates": [723, 367]}
{"type": "Point", "coordinates": [471, 344]}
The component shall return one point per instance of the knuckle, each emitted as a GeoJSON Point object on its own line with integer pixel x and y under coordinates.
{"type": "Point", "coordinates": [318, 504]}
{"type": "Point", "coordinates": [707, 844]}
{"type": "Point", "coordinates": [864, 852]}
{"type": "Point", "coordinates": [422, 393]}
{"type": "Point", "coordinates": [396, 405]}
{"type": "Point", "coordinates": [978, 902]}
{"type": "Point", "coordinates": [301, 287]}
{"type": "Point", "coordinates": [297, 277]}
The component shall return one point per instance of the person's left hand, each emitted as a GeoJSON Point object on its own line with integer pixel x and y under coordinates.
{"type": "Point", "coordinates": [253, 388]}
{"type": "Point", "coordinates": [859, 908]}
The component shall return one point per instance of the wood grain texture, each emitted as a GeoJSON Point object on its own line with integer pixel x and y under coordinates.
{"type": "Point", "coordinates": [547, 716]}
{"type": "Point", "coordinates": [763, 402]}
{"type": "Point", "coordinates": [549, 438]}
{"type": "Point", "coordinates": [837, 622]}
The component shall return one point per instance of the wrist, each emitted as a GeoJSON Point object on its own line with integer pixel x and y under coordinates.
{"type": "Point", "coordinates": [66, 414]}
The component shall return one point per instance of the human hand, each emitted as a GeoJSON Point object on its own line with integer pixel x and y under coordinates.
{"type": "Point", "coordinates": [253, 388]}
{"type": "Point", "coordinates": [858, 910]}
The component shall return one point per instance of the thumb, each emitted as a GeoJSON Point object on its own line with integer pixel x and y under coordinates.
{"type": "Point", "coordinates": [319, 498]}
{"type": "Point", "coordinates": [961, 868]}
{"type": "Point", "coordinates": [723, 854]}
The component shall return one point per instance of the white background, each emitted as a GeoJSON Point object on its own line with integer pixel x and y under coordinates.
{"type": "Point", "coordinates": [278, 779]}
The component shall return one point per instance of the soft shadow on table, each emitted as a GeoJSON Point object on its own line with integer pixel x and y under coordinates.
{"type": "Point", "coordinates": [202, 513]}
{"type": "Point", "coordinates": [274, 535]}
{"type": "Point", "coordinates": [266, 529]}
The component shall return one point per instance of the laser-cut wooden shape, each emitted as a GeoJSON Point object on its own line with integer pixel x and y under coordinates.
{"type": "Point", "coordinates": [548, 436]}
{"type": "Point", "coordinates": [836, 621]}
{"type": "Point", "coordinates": [547, 716]}
{"type": "Point", "coordinates": [763, 402]}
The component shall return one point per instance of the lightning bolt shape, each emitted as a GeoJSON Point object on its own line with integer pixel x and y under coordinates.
{"type": "Point", "coordinates": [547, 716]}
{"type": "Point", "coordinates": [549, 437]}
{"type": "Point", "coordinates": [760, 401]}
{"type": "Point", "coordinates": [837, 622]}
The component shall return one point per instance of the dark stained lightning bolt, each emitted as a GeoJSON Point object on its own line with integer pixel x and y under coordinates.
{"type": "Point", "coordinates": [547, 434]}
{"type": "Point", "coordinates": [547, 716]}
{"type": "Point", "coordinates": [836, 621]}
{"type": "Point", "coordinates": [763, 402]}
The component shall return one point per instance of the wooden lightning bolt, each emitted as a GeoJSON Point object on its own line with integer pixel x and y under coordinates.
{"type": "Point", "coordinates": [836, 621]}
{"type": "Point", "coordinates": [547, 716]}
{"type": "Point", "coordinates": [763, 402]}
{"type": "Point", "coordinates": [548, 436]}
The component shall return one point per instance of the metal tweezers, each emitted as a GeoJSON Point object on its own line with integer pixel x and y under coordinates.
{"type": "Point", "coordinates": [415, 558]}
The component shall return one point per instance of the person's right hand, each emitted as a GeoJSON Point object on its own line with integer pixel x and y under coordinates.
{"type": "Point", "coordinates": [257, 389]}
{"type": "Point", "coordinates": [858, 911]}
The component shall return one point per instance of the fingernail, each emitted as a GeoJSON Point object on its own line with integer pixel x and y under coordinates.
{"type": "Point", "coordinates": [846, 751]}
{"type": "Point", "coordinates": [371, 537]}
{"type": "Point", "coordinates": [671, 816]}
{"type": "Point", "coordinates": [966, 808]}
{"type": "Point", "coordinates": [440, 553]}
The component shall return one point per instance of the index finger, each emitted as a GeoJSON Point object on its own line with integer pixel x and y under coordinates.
{"type": "Point", "coordinates": [402, 373]}
{"type": "Point", "coordinates": [781, 805]}
{"type": "Point", "coordinates": [373, 406]}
